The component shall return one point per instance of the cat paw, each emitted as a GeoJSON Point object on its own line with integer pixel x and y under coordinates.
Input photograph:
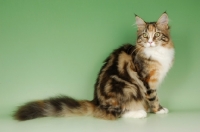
{"type": "Point", "coordinates": [135, 114]}
{"type": "Point", "coordinates": [162, 111]}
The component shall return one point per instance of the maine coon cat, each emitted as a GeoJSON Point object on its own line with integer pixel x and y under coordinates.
{"type": "Point", "coordinates": [127, 82]}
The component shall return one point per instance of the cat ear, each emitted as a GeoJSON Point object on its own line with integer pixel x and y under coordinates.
{"type": "Point", "coordinates": [163, 20]}
{"type": "Point", "coordinates": [140, 22]}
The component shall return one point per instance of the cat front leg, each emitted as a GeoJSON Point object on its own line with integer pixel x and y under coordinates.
{"type": "Point", "coordinates": [151, 94]}
{"type": "Point", "coordinates": [154, 103]}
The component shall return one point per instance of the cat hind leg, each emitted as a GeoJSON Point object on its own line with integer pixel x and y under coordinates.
{"type": "Point", "coordinates": [135, 114]}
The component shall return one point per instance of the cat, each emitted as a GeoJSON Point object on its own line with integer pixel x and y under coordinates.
{"type": "Point", "coordinates": [127, 82]}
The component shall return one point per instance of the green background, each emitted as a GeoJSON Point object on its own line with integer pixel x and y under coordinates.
{"type": "Point", "coordinates": [52, 47]}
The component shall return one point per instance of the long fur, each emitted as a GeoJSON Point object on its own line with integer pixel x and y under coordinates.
{"type": "Point", "coordinates": [127, 82]}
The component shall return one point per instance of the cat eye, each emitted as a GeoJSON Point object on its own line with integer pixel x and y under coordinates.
{"type": "Point", "coordinates": [157, 34]}
{"type": "Point", "coordinates": [145, 35]}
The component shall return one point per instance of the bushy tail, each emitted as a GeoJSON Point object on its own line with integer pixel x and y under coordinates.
{"type": "Point", "coordinates": [60, 106]}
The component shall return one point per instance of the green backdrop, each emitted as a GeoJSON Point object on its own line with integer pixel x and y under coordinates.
{"type": "Point", "coordinates": [52, 47]}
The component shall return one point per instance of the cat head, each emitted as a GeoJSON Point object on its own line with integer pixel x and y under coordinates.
{"type": "Point", "coordinates": [153, 34]}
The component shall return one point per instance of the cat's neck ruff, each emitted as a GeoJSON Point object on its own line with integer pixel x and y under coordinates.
{"type": "Point", "coordinates": [163, 55]}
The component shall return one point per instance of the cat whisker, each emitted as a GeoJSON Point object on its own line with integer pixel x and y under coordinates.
{"type": "Point", "coordinates": [139, 50]}
{"type": "Point", "coordinates": [129, 49]}
{"type": "Point", "coordinates": [136, 49]}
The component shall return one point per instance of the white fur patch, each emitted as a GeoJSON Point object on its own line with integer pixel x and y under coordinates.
{"type": "Point", "coordinates": [163, 55]}
{"type": "Point", "coordinates": [135, 114]}
{"type": "Point", "coordinates": [163, 111]}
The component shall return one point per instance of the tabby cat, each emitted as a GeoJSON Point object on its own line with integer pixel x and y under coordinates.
{"type": "Point", "coordinates": [127, 82]}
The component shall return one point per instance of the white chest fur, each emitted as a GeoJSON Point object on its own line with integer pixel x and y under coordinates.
{"type": "Point", "coordinates": [164, 56]}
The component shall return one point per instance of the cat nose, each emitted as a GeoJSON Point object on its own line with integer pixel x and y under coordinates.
{"type": "Point", "coordinates": [150, 42]}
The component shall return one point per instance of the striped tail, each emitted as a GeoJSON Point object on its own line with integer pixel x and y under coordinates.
{"type": "Point", "coordinates": [61, 106]}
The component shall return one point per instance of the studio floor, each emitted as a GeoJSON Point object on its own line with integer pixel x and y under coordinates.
{"type": "Point", "coordinates": [172, 122]}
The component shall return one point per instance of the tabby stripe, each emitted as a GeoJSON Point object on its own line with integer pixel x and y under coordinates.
{"type": "Point", "coordinates": [165, 37]}
{"type": "Point", "coordinates": [139, 36]}
{"type": "Point", "coordinates": [150, 91]}
{"type": "Point", "coordinates": [152, 99]}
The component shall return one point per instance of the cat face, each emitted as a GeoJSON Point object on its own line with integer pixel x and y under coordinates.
{"type": "Point", "coordinates": [153, 34]}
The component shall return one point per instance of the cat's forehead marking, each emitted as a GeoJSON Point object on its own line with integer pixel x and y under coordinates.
{"type": "Point", "coordinates": [151, 27]}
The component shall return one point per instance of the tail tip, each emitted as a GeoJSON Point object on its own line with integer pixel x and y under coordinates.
{"type": "Point", "coordinates": [28, 111]}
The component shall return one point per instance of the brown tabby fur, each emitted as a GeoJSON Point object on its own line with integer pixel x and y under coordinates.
{"type": "Point", "coordinates": [127, 81]}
